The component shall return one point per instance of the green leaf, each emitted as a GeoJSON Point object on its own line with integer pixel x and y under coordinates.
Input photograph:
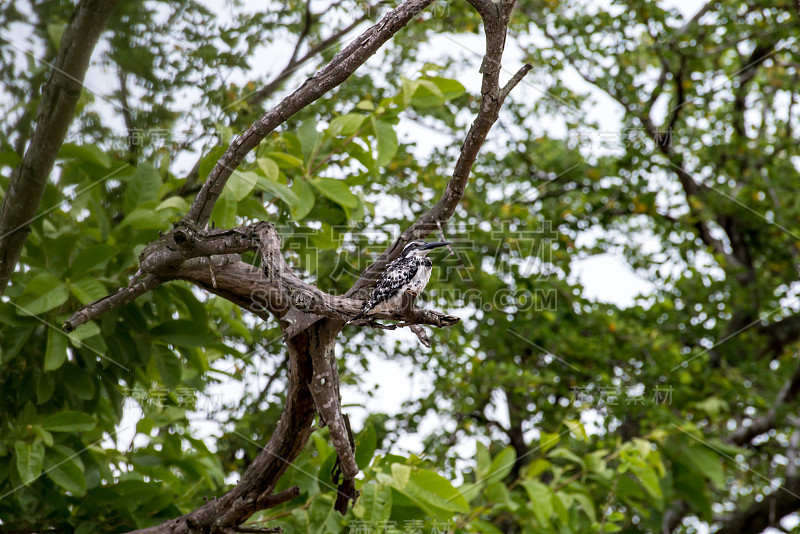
{"type": "Point", "coordinates": [183, 333]}
{"type": "Point", "coordinates": [310, 139]}
{"type": "Point", "coordinates": [56, 353]}
{"type": "Point", "coordinates": [87, 290]}
{"type": "Point", "coordinates": [46, 437]}
{"type": "Point", "coordinates": [78, 381]}
{"type": "Point", "coordinates": [498, 493]}
{"type": "Point", "coordinates": [541, 500]}
{"type": "Point", "coordinates": [409, 87]}
{"type": "Point", "coordinates": [365, 447]}
{"type": "Point", "coordinates": [209, 161]}
{"type": "Point", "coordinates": [169, 367]}
{"type": "Point", "coordinates": [561, 504]}
{"type": "Point", "coordinates": [224, 214]}
{"type": "Point", "coordinates": [68, 421]}
{"type": "Point", "coordinates": [547, 441]}
{"type": "Point", "coordinates": [44, 388]}
{"type": "Point", "coordinates": [29, 460]}
{"type": "Point", "coordinates": [9, 158]}
{"type": "Point", "coordinates": [401, 474]}
{"type": "Point", "coordinates": [142, 187]}
{"type": "Point", "coordinates": [144, 219]}
{"type": "Point", "coordinates": [322, 517]}
{"type": "Point", "coordinates": [64, 468]}
{"type": "Point", "coordinates": [577, 429]}
{"type": "Point", "coordinates": [450, 89]}
{"type": "Point", "coordinates": [337, 191]}
{"type": "Point", "coordinates": [586, 504]}
{"type": "Point", "coordinates": [55, 31]}
{"type": "Point", "coordinates": [306, 199]}
{"type": "Point", "coordinates": [536, 468]}
{"type": "Point", "coordinates": [14, 340]}
{"type": "Point", "coordinates": [566, 454]}
{"type": "Point", "coordinates": [502, 465]}
{"type": "Point", "coordinates": [706, 462]}
{"type": "Point", "coordinates": [649, 480]}
{"type": "Point", "coordinates": [289, 159]}
{"type": "Point", "coordinates": [178, 204]}
{"type": "Point", "coordinates": [429, 490]}
{"type": "Point", "coordinates": [241, 184]}
{"type": "Point", "coordinates": [387, 143]}
{"type": "Point", "coordinates": [346, 124]}
{"type": "Point", "coordinates": [93, 257]}
{"type": "Point", "coordinates": [375, 503]}
{"type": "Point", "coordinates": [713, 406]}
{"type": "Point", "coordinates": [269, 167]}
{"type": "Point", "coordinates": [87, 153]}
{"type": "Point", "coordinates": [43, 293]}
{"type": "Point", "coordinates": [427, 95]}
{"type": "Point", "coordinates": [84, 331]}
{"type": "Point", "coordinates": [279, 190]}
{"type": "Point", "coordinates": [483, 460]}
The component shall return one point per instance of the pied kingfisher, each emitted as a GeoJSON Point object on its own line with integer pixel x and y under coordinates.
{"type": "Point", "coordinates": [410, 272]}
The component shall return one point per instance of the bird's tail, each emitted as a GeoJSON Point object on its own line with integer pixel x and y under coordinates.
{"type": "Point", "coordinates": [357, 316]}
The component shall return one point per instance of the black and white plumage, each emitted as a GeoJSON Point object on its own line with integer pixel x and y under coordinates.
{"type": "Point", "coordinates": [410, 272]}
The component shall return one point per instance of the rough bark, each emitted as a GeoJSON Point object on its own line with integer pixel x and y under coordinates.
{"type": "Point", "coordinates": [56, 109]}
{"type": "Point", "coordinates": [210, 259]}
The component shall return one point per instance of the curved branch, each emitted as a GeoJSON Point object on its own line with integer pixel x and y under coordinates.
{"type": "Point", "coordinates": [56, 110]}
{"type": "Point", "coordinates": [309, 299]}
{"type": "Point", "coordinates": [337, 71]}
{"type": "Point", "coordinates": [495, 19]}
{"type": "Point", "coordinates": [165, 259]}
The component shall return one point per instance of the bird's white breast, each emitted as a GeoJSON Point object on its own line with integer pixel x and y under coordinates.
{"type": "Point", "coordinates": [420, 279]}
{"type": "Point", "coordinates": [416, 284]}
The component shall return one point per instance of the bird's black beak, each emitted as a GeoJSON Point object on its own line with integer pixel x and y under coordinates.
{"type": "Point", "coordinates": [429, 246]}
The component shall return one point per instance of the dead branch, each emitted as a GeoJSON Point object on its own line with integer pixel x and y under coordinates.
{"type": "Point", "coordinates": [333, 74]}
{"type": "Point", "coordinates": [495, 20]}
{"type": "Point", "coordinates": [104, 305]}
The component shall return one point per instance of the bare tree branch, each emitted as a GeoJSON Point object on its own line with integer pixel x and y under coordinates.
{"type": "Point", "coordinates": [333, 74]}
{"type": "Point", "coordinates": [104, 305]}
{"type": "Point", "coordinates": [495, 19]}
{"type": "Point", "coordinates": [182, 255]}
{"type": "Point", "coordinates": [56, 110]}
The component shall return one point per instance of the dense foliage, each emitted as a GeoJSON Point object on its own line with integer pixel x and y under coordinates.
{"type": "Point", "coordinates": [672, 414]}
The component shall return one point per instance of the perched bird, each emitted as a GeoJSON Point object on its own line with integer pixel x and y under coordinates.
{"type": "Point", "coordinates": [410, 272]}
